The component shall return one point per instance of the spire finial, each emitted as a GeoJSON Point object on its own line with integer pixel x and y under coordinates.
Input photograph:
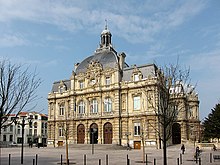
{"type": "Point", "coordinates": [106, 24]}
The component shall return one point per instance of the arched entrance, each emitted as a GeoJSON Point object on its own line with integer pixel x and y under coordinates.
{"type": "Point", "coordinates": [93, 133]}
{"type": "Point", "coordinates": [107, 132]}
{"type": "Point", "coordinates": [176, 133]}
{"type": "Point", "coordinates": [80, 134]}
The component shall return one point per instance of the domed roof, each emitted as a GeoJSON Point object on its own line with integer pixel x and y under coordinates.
{"type": "Point", "coordinates": [107, 58]}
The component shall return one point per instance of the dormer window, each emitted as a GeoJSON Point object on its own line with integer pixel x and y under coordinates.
{"type": "Point", "coordinates": [92, 81]}
{"type": "Point", "coordinates": [107, 81]}
{"type": "Point", "coordinates": [81, 84]}
{"type": "Point", "coordinates": [62, 87]}
{"type": "Point", "coordinates": [136, 77]}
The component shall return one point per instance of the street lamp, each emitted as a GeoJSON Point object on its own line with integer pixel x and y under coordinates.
{"type": "Point", "coordinates": [22, 133]}
{"type": "Point", "coordinates": [127, 134]}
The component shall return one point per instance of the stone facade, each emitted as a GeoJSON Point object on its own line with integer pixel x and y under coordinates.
{"type": "Point", "coordinates": [107, 102]}
{"type": "Point", "coordinates": [35, 130]}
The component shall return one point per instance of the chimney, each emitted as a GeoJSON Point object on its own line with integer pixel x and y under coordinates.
{"type": "Point", "coordinates": [76, 65]}
{"type": "Point", "coordinates": [121, 60]}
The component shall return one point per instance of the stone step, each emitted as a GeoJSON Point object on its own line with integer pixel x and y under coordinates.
{"type": "Point", "coordinates": [97, 146]}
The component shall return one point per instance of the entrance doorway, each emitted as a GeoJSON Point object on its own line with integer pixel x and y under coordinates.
{"type": "Point", "coordinates": [93, 133]}
{"type": "Point", "coordinates": [176, 133]}
{"type": "Point", "coordinates": [80, 134]}
{"type": "Point", "coordinates": [60, 143]}
{"type": "Point", "coordinates": [107, 131]}
{"type": "Point", "coordinates": [137, 144]}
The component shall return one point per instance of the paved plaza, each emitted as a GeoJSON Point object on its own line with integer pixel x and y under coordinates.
{"type": "Point", "coordinates": [116, 155]}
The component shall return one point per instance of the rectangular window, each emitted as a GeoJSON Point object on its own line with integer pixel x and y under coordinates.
{"type": "Point", "coordinates": [81, 107]}
{"type": "Point", "coordinates": [61, 110]}
{"type": "Point", "coordinates": [4, 138]}
{"type": "Point", "coordinates": [81, 84]}
{"type": "Point", "coordinates": [137, 129]}
{"type": "Point", "coordinates": [60, 132]}
{"type": "Point", "coordinates": [35, 132]}
{"type": "Point", "coordinates": [36, 117]}
{"type": "Point", "coordinates": [107, 81]}
{"type": "Point", "coordinates": [94, 106]}
{"type": "Point", "coordinates": [107, 105]}
{"type": "Point", "coordinates": [30, 132]}
{"type": "Point", "coordinates": [137, 103]}
{"type": "Point", "coordinates": [11, 128]}
{"type": "Point", "coordinates": [11, 138]}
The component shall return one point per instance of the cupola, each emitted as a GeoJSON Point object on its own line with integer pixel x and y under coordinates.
{"type": "Point", "coordinates": [106, 38]}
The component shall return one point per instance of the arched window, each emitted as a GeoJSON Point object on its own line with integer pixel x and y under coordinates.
{"type": "Point", "coordinates": [35, 125]}
{"type": "Point", "coordinates": [108, 105]}
{"type": "Point", "coordinates": [19, 130]}
{"type": "Point", "coordinates": [94, 106]}
{"type": "Point", "coordinates": [81, 107]}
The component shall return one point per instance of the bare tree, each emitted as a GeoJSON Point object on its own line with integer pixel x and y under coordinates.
{"type": "Point", "coordinates": [17, 89]}
{"type": "Point", "coordinates": [173, 85]}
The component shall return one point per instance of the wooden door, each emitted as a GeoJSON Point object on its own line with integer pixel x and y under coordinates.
{"type": "Point", "coordinates": [60, 143]}
{"type": "Point", "coordinates": [80, 134]}
{"type": "Point", "coordinates": [176, 133]}
{"type": "Point", "coordinates": [107, 133]}
{"type": "Point", "coordinates": [137, 144]}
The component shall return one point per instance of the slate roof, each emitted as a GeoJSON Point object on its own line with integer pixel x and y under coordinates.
{"type": "Point", "coordinates": [56, 85]}
{"type": "Point", "coordinates": [107, 58]}
{"type": "Point", "coordinates": [146, 70]}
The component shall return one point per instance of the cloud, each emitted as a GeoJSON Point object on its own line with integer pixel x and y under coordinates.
{"type": "Point", "coordinates": [128, 22]}
{"type": "Point", "coordinates": [11, 40]}
{"type": "Point", "coordinates": [51, 63]}
{"type": "Point", "coordinates": [208, 60]}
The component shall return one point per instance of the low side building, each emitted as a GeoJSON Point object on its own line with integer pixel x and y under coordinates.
{"type": "Point", "coordinates": [35, 130]}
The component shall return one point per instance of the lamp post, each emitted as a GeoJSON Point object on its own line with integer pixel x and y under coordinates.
{"type": "Point", "coordinates": [22, 137]}
{"type": "Point", "coordinates": [22, 133]}
{"type": "Point", "coordinates": [127, 134]}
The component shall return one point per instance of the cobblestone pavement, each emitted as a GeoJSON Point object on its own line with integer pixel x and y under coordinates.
{"type": "Point", "coordinates": [116, 155]}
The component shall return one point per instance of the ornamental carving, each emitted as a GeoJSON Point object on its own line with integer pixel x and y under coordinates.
{"type": "Point", "coordinates": [93, 73]}
{"type": "Point", "coordinates": [80, 76]}
{"type": "Point", "coordinates": [108, 72]}
{"type": "Point", "coordinates": [94, 66]}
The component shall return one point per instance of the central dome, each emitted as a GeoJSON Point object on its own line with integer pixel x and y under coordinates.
{"type": "Point", "coordinates": [107, 58]}
{"type": "Point", "coordinates": [105, 54]}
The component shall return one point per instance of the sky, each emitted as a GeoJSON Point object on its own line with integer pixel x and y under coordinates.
{"type": "Point", "coordinates": [53, 35]}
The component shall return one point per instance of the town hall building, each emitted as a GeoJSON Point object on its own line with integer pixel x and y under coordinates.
{"type": "Point", "coordinates": [107, 101]}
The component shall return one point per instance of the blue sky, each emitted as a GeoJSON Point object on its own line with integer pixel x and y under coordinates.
{"type": "Point", "coordinates": [53, 35]}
